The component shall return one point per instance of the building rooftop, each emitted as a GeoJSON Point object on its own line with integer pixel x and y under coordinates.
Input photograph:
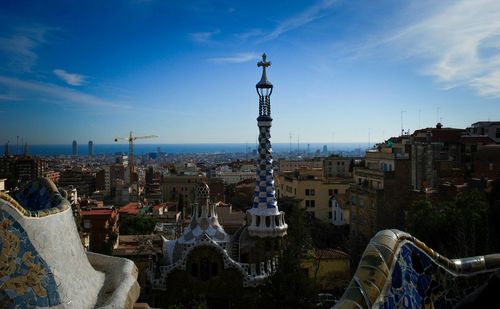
{"type": "Point", "coordinates": [97, 212]}
{"type": "Point", "coordinates": [445, 135]}
{"type": "Point", "coordinates": [138, 245]}
{"type": "Point", "coordinates": [130, 208]}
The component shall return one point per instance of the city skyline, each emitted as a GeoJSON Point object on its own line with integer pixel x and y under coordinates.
{"type": "Point", "coordinates": [344, 71]}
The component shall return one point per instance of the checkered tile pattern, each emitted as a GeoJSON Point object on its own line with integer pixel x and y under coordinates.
{"type": "Point", "coordinates": [265, 193]}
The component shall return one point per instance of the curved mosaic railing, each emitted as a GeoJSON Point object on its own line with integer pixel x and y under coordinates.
{"type": "Point", "coordinates": [399, 271]}
{"type": "Point", "coordinates": [26, 281]}
{"type": "Point", "coordinates": [42, 260]}
{"type": "Point", "coordinates": [38, 198]}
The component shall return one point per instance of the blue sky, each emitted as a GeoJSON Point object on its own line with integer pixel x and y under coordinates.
{"type": "Point", "coordinates": [186, 70]}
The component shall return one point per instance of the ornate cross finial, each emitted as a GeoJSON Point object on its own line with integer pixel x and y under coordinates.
{"type": "Point", "coordinates": [264, 63]}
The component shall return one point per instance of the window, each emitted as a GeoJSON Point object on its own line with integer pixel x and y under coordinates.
{"type": "Point", "coordinates": [361, 202]}
{"type": "Point", "coordinates": [87, 224]}
{"type": "Point", "coordinates": [335, 191]}
{"type": "Point", "coordinates": [204, 269]}
{"type": "Point", "coordinates": [194, 270]}
{"type": "Point", "coordinates": [244, 257]}
{"type": "Point", "coordinates": [310, 203]}
{"type": "Point", "coordinates": [215, 269]}
{"type": "Point", "coordinates": [330, 192]}
{"type": "Point", "coordinates": [497, 133]}
{"type": "Point", "coordinates": [353, 199]}
{"type": "Point", "coordinates": [310, 192]}
{"type": "Point", "coordinates": [267, 245]}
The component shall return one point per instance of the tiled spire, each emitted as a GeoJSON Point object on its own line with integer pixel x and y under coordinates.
{"type": "Point", "coordinates": [266, 219]}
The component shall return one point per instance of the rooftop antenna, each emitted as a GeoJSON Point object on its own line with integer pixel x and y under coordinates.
{"type": "Point", "coordinates": [308, 149]}
{"type": "Point", "coordinates": [333, 142]}
{"type": "Point", "coordinates": [402, 130]}
{"type": "Point", "coordinates": [369, 133]}
{"type": "Point", "coordinates": [6, 152]}
{"type": "Point", "coordinates": [298, 145]}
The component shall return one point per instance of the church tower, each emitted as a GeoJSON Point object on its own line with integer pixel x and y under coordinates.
{"type": "Point", "coordinates": [264, 218]}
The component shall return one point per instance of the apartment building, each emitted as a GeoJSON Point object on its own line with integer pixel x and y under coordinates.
{"type": "Point", "coordinates": [314, 191]}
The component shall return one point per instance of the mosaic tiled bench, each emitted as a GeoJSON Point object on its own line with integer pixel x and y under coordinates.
{"type": "Point", "coordinates": [42, 260]}
{"type": "Point", "coordinates": [399, 271]}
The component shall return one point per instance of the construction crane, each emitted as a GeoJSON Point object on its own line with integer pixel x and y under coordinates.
{"type": "Point", "coordinates": [131, 140]}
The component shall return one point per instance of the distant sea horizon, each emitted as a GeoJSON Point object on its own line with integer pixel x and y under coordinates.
{"type": "Point", "coordinates": [194, 148]}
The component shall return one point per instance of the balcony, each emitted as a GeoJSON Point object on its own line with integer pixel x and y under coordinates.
{"type": "Point", "coordinates": [365, 188]}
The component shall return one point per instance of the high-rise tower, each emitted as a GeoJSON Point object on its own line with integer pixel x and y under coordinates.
{"type": "Point", "coordinates": [91, 149]}
{"type": "Point", "coordinates": [74, 148]}
{"type": "Point", "coordinates": [265, 219]}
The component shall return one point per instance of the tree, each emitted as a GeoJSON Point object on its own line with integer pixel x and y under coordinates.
{"type": "Point", "coordinates": [493, 196]}
{"type": "Point", "coordinates": [469, 215]}
{"type": "Point", "coordinates": [455, 228]}
{"type": "Point", "coordinates": [137, 225]}
{"type": "Point", "coordinates": [290, 286]}
{"type": "Point", "coordinates": [239, 199]}
{"type": "Point", "coordinates": [426, 222]}
{"type": "Point", "coordinates": [326, 235]}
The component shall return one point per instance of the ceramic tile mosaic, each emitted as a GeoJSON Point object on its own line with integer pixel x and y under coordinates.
{"type": "Point", "coordinates": [25, 279]}
{"type": "Point", "coordinates": [399, 271]}
{"type": "Point", "coordinates": [418, 281]}
{"type": "Point", "coordinates": [38, 195]}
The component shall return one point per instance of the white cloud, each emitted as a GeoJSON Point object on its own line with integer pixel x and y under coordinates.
{"type": "Point", "coordinates": [249, 34]}
{"type": "Point", "coordinates": [55, 93]}
{"type": "Point", "coordinates": [203, 37]}
{"type": "Point", "coordinates": [238, 58]}
{"type": "Point", "coordinates": [19, 47]}
{"type": "Point", "coordinates": [9, 97]}
{"type": "Point", "coordinates": [307, 16]}
{"type": "Point", "coordinates": [461, 44]}
{"type": "Point", "coordinates": [70, 78]}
